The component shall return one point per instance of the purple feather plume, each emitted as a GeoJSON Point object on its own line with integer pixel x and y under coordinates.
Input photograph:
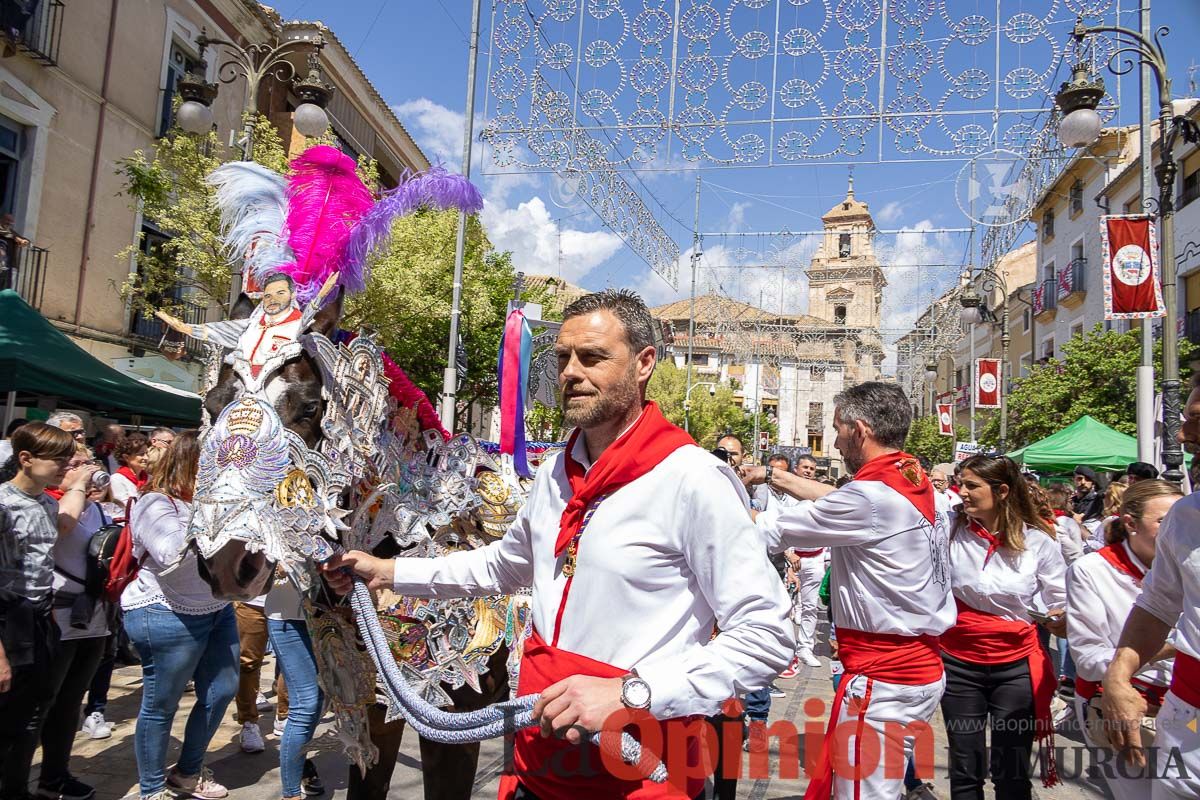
{"type": "Point", "coordinates": [326, 200]}
{"type": "Point", "coordinates": [435, 188]}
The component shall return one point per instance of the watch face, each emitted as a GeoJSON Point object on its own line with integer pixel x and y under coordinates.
{"type": "Point", "coordinates": [636, 693]}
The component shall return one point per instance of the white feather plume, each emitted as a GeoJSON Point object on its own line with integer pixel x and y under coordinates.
{"type": "Point", "coordinates": [253, 204]}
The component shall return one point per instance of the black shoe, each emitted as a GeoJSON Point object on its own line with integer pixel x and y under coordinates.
{"type": "Point", "coordinates": [310, 783]}
{"type": "Point", "coordinates": [66, 789]}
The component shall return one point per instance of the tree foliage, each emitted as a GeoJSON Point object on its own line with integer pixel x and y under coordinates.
{"type": "Point", "coordinates": [1097, 376]}
{"type": "Point", "coordinates": [925, 439]}
{"type": "Point", "coordinates": [711, 415]}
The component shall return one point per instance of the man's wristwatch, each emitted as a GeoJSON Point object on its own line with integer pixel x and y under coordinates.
{"type": "Point", "coordinates": [770, 474]}
{"type": "Point", "coordinates": [635, 692]}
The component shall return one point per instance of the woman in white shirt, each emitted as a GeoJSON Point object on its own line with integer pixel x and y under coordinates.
{"type": "Point", "coordinates": [180, 631]}
{"type": "Point", "coordinates": [127, 480]}
{"type": "Point", "coordinates": [1002, 556]}
{"type": "Point", "coordinates": [1101, 588]}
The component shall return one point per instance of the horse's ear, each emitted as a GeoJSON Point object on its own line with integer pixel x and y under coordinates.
{"type": "Point", "coordinates": [243, 308]}
{"type": "Point", "coordinates": [327, 319]}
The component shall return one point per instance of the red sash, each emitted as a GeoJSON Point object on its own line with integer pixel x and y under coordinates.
{"type": "Point", "coordinates": [888, 657]}
{"type": "Point", "coordinates": [552, 768]}
{"type": "Point", "coordinates": [1185, 679]}
{"type": "Point", "coordinates": [982, 638]}
{"type": "Point", "coordinates": [1118, 555]}
{"type": "Point", "coordinates": [1153, 693]}
{"type": "Point", "coordinates": [903, 473]}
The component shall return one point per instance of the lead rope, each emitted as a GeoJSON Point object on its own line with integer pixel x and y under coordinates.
{"type": "Point", "coordinates": [449, 727]}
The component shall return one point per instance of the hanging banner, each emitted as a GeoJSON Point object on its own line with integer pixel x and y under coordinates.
{"type": "Point", "coordinates": [945, 413]}
{"type": "Point", "coordinates": [1130, 247]}
{"type": "Point", "coordinates": [987, 383]}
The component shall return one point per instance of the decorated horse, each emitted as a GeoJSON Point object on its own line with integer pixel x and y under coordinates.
{"type": "Point", "coordinates": [318, 442]}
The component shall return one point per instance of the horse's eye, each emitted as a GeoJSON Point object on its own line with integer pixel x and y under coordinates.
{"type": "Point", "coordinates": [309, 410]}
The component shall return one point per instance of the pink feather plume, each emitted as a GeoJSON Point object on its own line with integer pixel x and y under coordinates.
{"type": "Point", "coordinates": [326, 200]}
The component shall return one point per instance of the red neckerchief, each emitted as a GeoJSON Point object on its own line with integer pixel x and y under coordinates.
{"type": "Point", "coordinates": [263, 322]}
{"type": "Point", "coordinates": [132, 476]}
{"type": "Point", "coordinates": [56, 492]}
{"type": "Point", "coordinates": [1058, 512]}
{"type": "Point", "coordinates": [983, 533]}
{"type": "Point", "coordinates": [902, 473]}
{"type": "Point", "coordinates": [1119, 557]}
{"type": "Point", "coordinates": [635, 452]}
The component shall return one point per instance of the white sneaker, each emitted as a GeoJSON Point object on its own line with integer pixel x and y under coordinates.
{"type": "Point", "coordinates": [252, 738]}
{"type": "Point", "coordinates": [96, 727]}
{"type": "Point", "coordinates": [262, 702]}
{"type": "Point", "coordinates": [806, 656]}
{"type": "Point", "coordinates": [200, 787]}
{"type": "Point", "coordinates": [279, 724]}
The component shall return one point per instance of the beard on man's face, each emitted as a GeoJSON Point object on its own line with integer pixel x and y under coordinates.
{"type": "Point", "coordinates": [588, 409]}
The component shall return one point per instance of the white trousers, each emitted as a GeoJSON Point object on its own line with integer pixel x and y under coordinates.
{"type": "Point", "coordinates": [895, 717]}
{"type": "Point", "coordinates": [1119, 777]}
{"type": "Point", "coordinates": [1177, 743]}
{"type": "Point", "coordinates": [805, 605]}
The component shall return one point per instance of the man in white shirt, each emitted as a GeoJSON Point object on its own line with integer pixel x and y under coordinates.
{"type": "Point", "coordinates": [808, 569]}
{"type": "Point", "coordinates": [939, 476]}
{"type": "Point", "coordinates": [1170, 598]}
{"type": "Point", "coordinates": [890, 584]}
{"type": "Point", "coordinates": [634, 541]}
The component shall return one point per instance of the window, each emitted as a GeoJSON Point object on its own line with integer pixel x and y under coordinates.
{"type": "Point", "coordinates": [11, 137]}
{"type": "Point", "coordinates": [1191, 187]}
{"type": "Point", "coordinates": [1026, 317]}
{"type": "Point", "coordinates": [1048, 225]}
{"type": "Point", "coordinates": [1077, 250]}
{"type": "Point", "coordinates": [179, 61]}
{"type": "Point", "coordinates": [1048, 348]}
{"type": "Point", "coordinates": [959, 377]}
{"type": "Point", "coordinates": [151, 247]}
{"type": "Point", "coordinates": [817, 374]}
{"type": "Point", "coordinates": [1048, 271]}
{"type": "Point", "coordinates": [1076, 196]}
{"type": "Point", "coordinates": [816, 417]}
{"type": "Point", "coordinates": [1026, 364]}
{"type": "Point", "coordinates": [1077, 330]}
{"type": "Point", "coordinates": [843, 245]}
{"type": "Point", "coordinates": [839, 315]}
{"type": "Point", "coordinates": [816, 442]}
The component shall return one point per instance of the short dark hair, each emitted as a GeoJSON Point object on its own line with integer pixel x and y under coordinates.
{"type": "Point", "coordinates": [733, 436]}
{"type": "Point", "coordinates": [805, 457]}
{"type": "Point", "coordinates": [780, 457]}
{"type": "Point", "coordinates": [16, 423]}
{"type": "Point", "coordinates": [626, 306]}
{"type": "Point", "coordinates": [279, 276]}
{"type": "Point", "coordinates": [882, 406]}
{"type": "Point", "coordinates": [132, 446]}
{"type": "Point", "coordinates": [1142, 471]}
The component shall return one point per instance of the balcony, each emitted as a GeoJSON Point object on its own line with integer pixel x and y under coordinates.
{"type": "Point", "coordinates": [25, 272]}
{"type": "Point", "coordinates": [145, 329]}
{"type": "Point", "coordinates": [34, 27]}
{"type": "Point", "coordinates": [1045, 300]}
{"type": "Point", "coordinates": [1071, 283]}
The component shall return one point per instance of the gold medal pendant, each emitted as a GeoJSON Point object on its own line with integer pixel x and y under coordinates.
{"type": "Point", "coordinates": [569, 564]}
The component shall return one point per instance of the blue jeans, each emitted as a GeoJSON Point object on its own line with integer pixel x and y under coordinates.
{"type": "Point", "coordinates": [294, 654]}
{"type": "Point", "coordinates": [176, 648]}
{"type": "Point", "coordinates": [758, 704]}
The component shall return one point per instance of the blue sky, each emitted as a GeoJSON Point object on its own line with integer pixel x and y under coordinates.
{"type": "Point", "coordinates": [416, 55]}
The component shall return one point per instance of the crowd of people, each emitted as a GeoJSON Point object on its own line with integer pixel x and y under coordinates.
{"type": "Point", "coordinates": [666, 580]}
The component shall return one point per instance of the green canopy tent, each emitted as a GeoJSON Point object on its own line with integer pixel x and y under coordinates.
{"type": "Point", "coordinates": [37, 358]}
{"type": "Point", "coordinates": [1085, 442]}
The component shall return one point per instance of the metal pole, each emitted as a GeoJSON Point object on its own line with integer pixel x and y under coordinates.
{"type": "Point", "coordinates": [692, 308]}
{"type": "Point", "coordinates": [450, 376]}
{"type": "Point", "coordinates": [1005, 339]}
{"type": "Point", "coordinates": [971, 380]}
{"type": "Point", "coordinates": [1172, 455]}
{"type": "Point", "coordinates": [1145, 370]}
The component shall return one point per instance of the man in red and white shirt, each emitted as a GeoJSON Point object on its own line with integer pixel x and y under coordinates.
{"type": "Point", "coordinates": [1170, 598]}
{"type": "Point", "coordinates": [634, 541]}
{"type": "Point", "coordinates": [890, 585]}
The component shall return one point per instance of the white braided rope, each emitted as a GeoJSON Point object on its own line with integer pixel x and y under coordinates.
{"type": "Point", "coordinates": [449, 727]}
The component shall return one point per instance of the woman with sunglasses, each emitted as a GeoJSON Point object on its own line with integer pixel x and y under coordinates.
{"type": "Point", "coordinates": [1003, 562]}
{"type": "Point", "coordinates": [30, 523]}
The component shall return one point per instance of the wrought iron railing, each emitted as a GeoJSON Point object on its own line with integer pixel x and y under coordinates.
{"type": "Point", "coordinates": [1071, 278]}
{"type": "Point", "coordinates": [34, 27]}
{"type": "Point", "coordinates": [23, 269]}
{"type": "Point", "coordinates": [147, 328]}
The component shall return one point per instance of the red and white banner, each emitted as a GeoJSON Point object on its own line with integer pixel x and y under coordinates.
{"type": "Point", "coordinates": [987, 383]}
{"type": "Point", "coordinates": [1130, 248]}
{"type": "Point", "coordinates": [945, 413]}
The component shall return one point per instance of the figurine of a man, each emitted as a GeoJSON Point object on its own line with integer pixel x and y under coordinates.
{"type": "Point", "coordinates": [275, 322]}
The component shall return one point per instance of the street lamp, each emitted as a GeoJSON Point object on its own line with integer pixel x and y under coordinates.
{"type": "Point", "coordinates": [687, 400]}
{"type": "Point", "coordinates": [255, 62]}
{"type": "Point", "coordinates": [989, 280]}
{"type": "Point", "coordinates": [1078, 103]}
{"type": "Point", "coordinates": [931, 371]}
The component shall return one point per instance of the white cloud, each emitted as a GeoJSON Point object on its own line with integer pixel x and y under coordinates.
{"type": "Point", "coordinates": [437, 129]}
{"type": "Point", "coordinates": [890, 212]}
{"type": "Point", "coordinates": [735, 220]}
{"type": "Point", "coordinates": [534, 238]}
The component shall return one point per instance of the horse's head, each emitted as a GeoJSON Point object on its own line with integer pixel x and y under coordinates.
{"type": "Point", "coordinates": [254, 465]}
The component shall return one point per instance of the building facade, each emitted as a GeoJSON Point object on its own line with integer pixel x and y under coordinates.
{"type": "Point", "coordinates": [789, 367]}
{"type": "Point", "coordinates": [88, 85]}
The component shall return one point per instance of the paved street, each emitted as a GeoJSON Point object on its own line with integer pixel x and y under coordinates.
{"type": "Point", "coordinates": [110, 765]}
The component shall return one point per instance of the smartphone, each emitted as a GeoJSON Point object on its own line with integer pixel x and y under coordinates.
{"type": "Point", "coordinates": [1041, 617]}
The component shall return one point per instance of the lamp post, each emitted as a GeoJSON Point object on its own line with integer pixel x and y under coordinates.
{"type": "Point", "coordinates": [989, 280]}
{"type": "Point", "coordinates": [931, 376]}
{"type": "Point", "coordinates": [1080, 125]}
{"type": "Point", "coordinates": [687, 401]}
{"type": "Point", "coordinates": [255, 62]}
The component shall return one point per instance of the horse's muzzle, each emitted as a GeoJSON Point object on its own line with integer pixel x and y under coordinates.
{"type": "Point", "coordinates": [235, 573]}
